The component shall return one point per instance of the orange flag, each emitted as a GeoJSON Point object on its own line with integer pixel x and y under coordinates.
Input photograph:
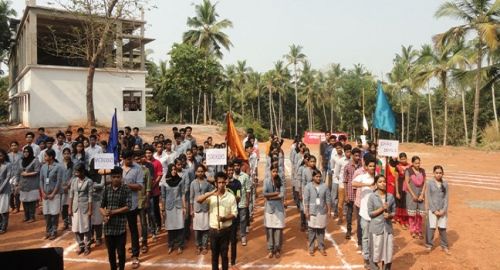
{"type": "Point", "coordinates": [233, 140]}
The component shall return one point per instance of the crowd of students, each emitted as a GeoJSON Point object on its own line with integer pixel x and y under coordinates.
{"type": "Point", "coordinates": [167, 184]}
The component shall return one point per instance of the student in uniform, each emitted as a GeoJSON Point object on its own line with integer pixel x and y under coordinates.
{"type": "Point", "coordinates": [350, 191]}
{"type": "Point", "coordinates": [381, 208]}
{"type": "Point", "coordinates": [173, 194]}
{"type": "Point", "coordinates": [234, 187]}
{"type": "Point", "coordinates": [51, 178]}
{"type": "Point", "coordinates": [67, 167]}
{"type": "Point", "coordinates": [144, 199]}
{"type": "Point", "coordinates": [437, 194]}
{"type": "Point", "coordinates": [79, 155]}
{"type": "Point", "coordinates": [133, 177]}
{"type": "Point", "coordinates": [253, 164]}
{"type": "Point", "coordinates": [14, 157]}
{"type": "Point", "coordinates": [300, 170]}
{"type": "Point", "coordinates": [29, 142]}
{"type": "Point", "coordinates": [80, 208]}
{"type": "Point", "coordinates": [98, 184]}
{"type": "Point", "coordinates": [415, 182]}
{"type": "Point", "coordinates": [401, 188]}
{"type": "Point", "coordinates": [246, 189]}
{"type": "Point", "coordinates": [199, 211]}
{"type": "Point", "coordinates": [29, 183]}
{"type": "Point", "coordinates": [274, 213]}
{"type": "Point", "coordinates": [317, 198]}
{"type": "Point", "coordinates": [116, 202]}
{"type": "Point", "coordinates": [5, 190]}
{"type": "Point", "coordinates": [364, 183]}
{"type": "Point", "coordinates": [222, 211]}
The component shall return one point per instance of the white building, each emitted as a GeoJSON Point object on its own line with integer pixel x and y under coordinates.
{"type": "Point", "coordinates": [49, 89]}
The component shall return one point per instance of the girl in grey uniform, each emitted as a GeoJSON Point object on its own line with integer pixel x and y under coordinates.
{"type": "Point", "coordinates": [199, 211]}
{"type": "Point", "coordinates": [79, 155]}
{"type": "Point", "coordinates": [14, 157]}
{"type": "Point", "coordinates": [317, 198]}
{"type": "Point", "coordinates": [274, 213]}
{"type": "Point", "coordinates": [29, 183]}
{"type": "Point", "coordinates": [5, 190]}
{"type": "Point", "coordinates": [80, 207]}
{"type": "Point", "coordinates": [382, 209]}
{"type": "Point", "coordinates": [96, 220]}
{"type": "Point", "coordinates": [173, 194]}
{"type": "Point", "coordinates": [67, 165]}
{"type": "Point", "coordinates": [51, 175]}
{"type": "Point", "coordinates": [436, 195]}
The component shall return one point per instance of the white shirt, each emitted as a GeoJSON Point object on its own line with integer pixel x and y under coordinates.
{"type": "Point", "coordinates": [41, 156]}
{"type": "Point", "coordinates": [334, 159]}
{"type": "Point", "coordinates": [59, 150]}
{"type": "Point", "coordinates": [91, 152]}
{"type": "Point", "coordinates": [165, 158]}
{"type": "Point", "coordinates": [365, 194]}
{"type": "Point", "coordinates": [338, 171]}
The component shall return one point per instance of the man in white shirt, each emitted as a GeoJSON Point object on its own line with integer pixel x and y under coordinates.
{"type": "Point", "coordinates": [30, 136]}
{"type": "Point", "coordinates": [60, 145]}
{"type": "Point", "coordinates": [93, 148]}
{"type": "Point", "coordinates": [338, 177]}
{"type": "Point", "coordinates": [366, 183]}
{"type": "Point", "coordinates": [165, 156]}
{"type": "Point", "coordinates": [335, 158]}
{"type": "Point", "coordinates": [49, 143]}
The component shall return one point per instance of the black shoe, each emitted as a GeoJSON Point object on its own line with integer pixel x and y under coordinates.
{"type": "Point", "coordinates": [348, 235]}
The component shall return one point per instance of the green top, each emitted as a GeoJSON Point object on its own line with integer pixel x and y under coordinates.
{"type": "Point", "coordinates": [147, 186]}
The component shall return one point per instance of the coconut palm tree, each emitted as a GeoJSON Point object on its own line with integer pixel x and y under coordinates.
{"type": "Point", "coordinates": [438, 63]}
{"type": "Point", "coordinates": [308, 83]}
{"type": "Point", "coordinates": [295, 57]}
{"type": "Point", "coordinates": [240, 81]}
{"type": "Point", "coordinates": [334, 75]}
{"type": "Point", "coordinates": [254, 86]}
{"type": "Point", "coordinates": [480, 19]}
{"type": "Point", "coordinates": [206, 30]}
{"type": "Point", "coordinates": [282, 78]}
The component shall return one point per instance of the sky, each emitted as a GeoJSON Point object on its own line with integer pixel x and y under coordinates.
{"type": "Point", "coordinates": [369, 32]}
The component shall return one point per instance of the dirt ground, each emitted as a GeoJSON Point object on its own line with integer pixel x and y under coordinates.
{"type": "Point", "coordinates": [474, 215]}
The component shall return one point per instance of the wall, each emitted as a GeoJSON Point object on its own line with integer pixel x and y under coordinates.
{"type": "Point", "coordinates": [58, 96]}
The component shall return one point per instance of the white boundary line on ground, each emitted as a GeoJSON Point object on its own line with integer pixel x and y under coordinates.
{"type": "Point", "coordinates": [479, 183]}
{"type": "Point", "coordinates": [473, 186]}
{"type": "Point", "coordinates": [475, 179]}
{"type": "Point", "coordinates": [486, 175]}
{"type": "Point", "coordinates": [203, 265]}
{"type": "Point", "coordinates": [329, 237]}
{"type": "Point", "coordinates": [55, 240]}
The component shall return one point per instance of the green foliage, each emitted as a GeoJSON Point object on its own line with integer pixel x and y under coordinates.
{"type": "Point", "coordinates": [4, 95]}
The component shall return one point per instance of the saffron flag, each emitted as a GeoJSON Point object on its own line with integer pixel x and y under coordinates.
{"type": "Point", "coordinates": [384, 116]}
{"type": "Point", "coordinates": [233, 140]}
{"type": "Point", "coordinates": [113, 139]}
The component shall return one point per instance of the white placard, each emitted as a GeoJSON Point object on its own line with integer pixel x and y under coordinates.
{"type": "Point", "coordinates": [216, 156]}
{"type": "Point", "coordinates": [104, 161]}
{"type": "Point", "coordinates": [363, 140]}
{"type": "Point", "coordinates": [388, 148]}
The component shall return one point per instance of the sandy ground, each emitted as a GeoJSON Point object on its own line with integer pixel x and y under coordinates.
{"type": "Point", "coordinates": [474, 216]}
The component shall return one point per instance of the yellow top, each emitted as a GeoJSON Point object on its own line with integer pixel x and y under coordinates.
{"type": "Point", "coordinates": [227, 206]}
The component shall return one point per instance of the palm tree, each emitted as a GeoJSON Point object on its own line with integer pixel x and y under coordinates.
{"type": "Point", "coordinates": [206, 31]}
{"type": "Point", "coordinates": [269, 85]}
{"type": "Point", "coordinates": [334, 74]}
{"type": "Point", "coordinates": [255, 85]}
{"type": "Point", "coordinates": [6, 12]}
{"type": "Point", "coordinates": [438, 63]}
{"type": "Point", "coordinates": [230, 78]}
{"type": "Point", "coordinates": [241, 79]}
{"type": "Point", "coordinates": [308, 82]}
{"type": "Point", "coordinates": [480, 18]}
{"type": "Point", "coordinates": [295, 57]}
{"type": "Point", "coordinates": [282, 77]}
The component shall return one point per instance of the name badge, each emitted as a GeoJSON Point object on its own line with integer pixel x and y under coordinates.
{"type": "Point", "coordinates": [318, 202]}
{"type": "Point", "coordinates": [47, 181]}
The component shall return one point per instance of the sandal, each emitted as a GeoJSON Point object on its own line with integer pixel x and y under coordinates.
{"type": "Point", "coordinates": [270, 255]}
{"type": "Point", "coordinates": [277, 254]}
{"type": "Point", "coordinates": [311, 253]}
{"type": "Point", "coordinates": [322, 252]}
{"type": "Point", "coordinates": [144, 249]}
{"type": "Point", "coordinates": [135, 263]}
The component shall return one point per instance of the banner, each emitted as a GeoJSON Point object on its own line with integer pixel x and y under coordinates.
{"type": "Point", "coordinates": [311, 137]}
{"type": "Point", "coordinates": [104, 161]}
{"type": "Point", "coordinates": [388, 148]}
{"type": "Point", "coordinates": [216, 156]}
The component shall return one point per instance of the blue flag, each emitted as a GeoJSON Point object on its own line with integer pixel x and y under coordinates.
{"type": "Point", "coordinates": [384, 116]}
{"type": "Point", "coordinates": [113, 138]}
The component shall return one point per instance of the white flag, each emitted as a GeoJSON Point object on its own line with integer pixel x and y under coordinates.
{"type": "Point", "coordinates": [365, 123]}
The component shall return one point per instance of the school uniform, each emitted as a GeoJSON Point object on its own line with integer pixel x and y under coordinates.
{"type": "Point", "coordinates": [5, 191]}
{"type": "Point", "coordinates": [51, 177]}
{"type": "Point", "coordinates": [246, 188]}
{"type": "Point", "coordinates": [380, 229]}
{"type": "Point", "coordinates": [66, 183]}
{"type": "Point", "coordinates": [36, 149]}
{"type": "Point", "coordinates": [316, 199]}
{"type": "Point", "coordinates": [115, 229]}
{"type": "Point", "coordinates": [200, 218]}
{"type": "Point", "coordinates": [133, 175]}
{"type": "Point", "coordinates": [253, 163]}
{"type": "Point", "coordinates": [92, 151]}
{"type": "Point", "coordinates": [437, 195]}
{"type": "Point", "coordinates": [274, 216]}
{"type": "Point", "coordinates": [188, 176]}
{"type": "Point", "coordinates": [15, 201]}
{"type": "Point", "coordinates": [365, 218]}
{"type": "Point", "coordinates": [81, 196]}
{"type": "Point", "coordinates": [143, 211]}
{"type": "Point", "coordinates": [296, 178]}
{"type": "Point", "coordinates": [220, 232]}
{"type": "Point", "coordinates": [234, 187]}
{"type": "Point", "coordinates": [80, 159]}
{"type": "Point", "coordinates": [338, 190]}
{"type": "Point", "coordinates": [303, 221]}
{"type": "Point", "coordinates": [96, 220]}
{"type": "Point", "coordinates": [29, 188]}
{"type": "Point", "coordinates": [172, 194]}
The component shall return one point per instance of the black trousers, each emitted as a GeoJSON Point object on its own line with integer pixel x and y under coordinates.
{"type": "Point", "coordinates": [219, 243]}
{"type": "Point", "coordinates": [65, 215]}
{"type": "Point", "coordinates": [233, 239]}
{"type": "Point", "coordinates": [116, 244]}
{"type": "Point", "coordinates": [155, 204]}
{"type": "Point", "coordinates": [349, 210]}
{"type": "Point", "coordinates": [29, 210]}
{"type": "Point", "coordinates": [15, 202]}
{"type": "Point", "coordinates": [134, 231]}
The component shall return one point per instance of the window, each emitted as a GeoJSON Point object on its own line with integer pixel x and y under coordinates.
{"type": "Point", "coordinates": [132, 100]}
